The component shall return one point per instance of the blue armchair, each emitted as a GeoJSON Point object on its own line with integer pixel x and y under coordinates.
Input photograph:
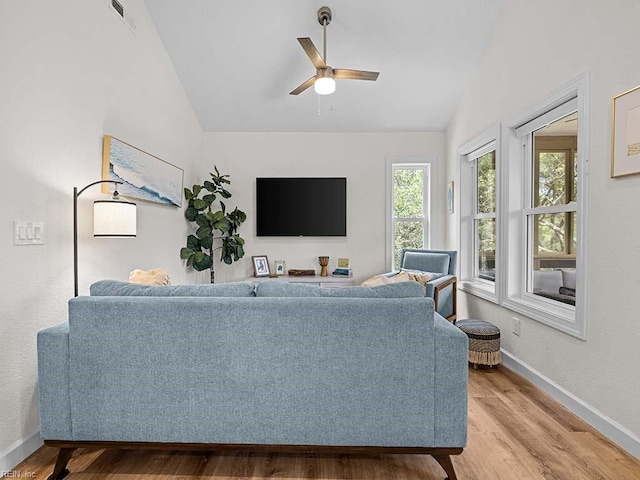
{"type": "Point", "coordinates": [444, 289]}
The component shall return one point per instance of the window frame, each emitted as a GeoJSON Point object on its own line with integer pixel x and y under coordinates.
{"type": "Point", "coordinates": [468, 153]}
{"type": "Point", "coordinates": [514, 208]}
{"type": "Point", "coordinates": [428, 165]}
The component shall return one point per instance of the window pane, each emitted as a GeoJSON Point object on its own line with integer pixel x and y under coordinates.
{"type": "Point", "coordinates": [487, 183]}
{"type": "Point", "coordinates": [486, 248]}
{"type": "Point", "coordinates": [551, 179]}
{"type": "Point", "coordinates": [554, 234]}
{"type": "Point", "coordinates": [552, 262]}
{"type": "Point", "coordinates": [407, 235]}
{"type": "Point", "coordinates": [407, 193]}
{"type": "Point", "coordinates": [574, 182]}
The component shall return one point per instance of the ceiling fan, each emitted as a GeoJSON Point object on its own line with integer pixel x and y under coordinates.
{"type": "Point", "coordinates": [324, 80]}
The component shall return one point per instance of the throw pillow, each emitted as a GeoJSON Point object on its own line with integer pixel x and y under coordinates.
{"type": "Point", "coordinates": [155, 276]}
{"type": "Point", "coordinates": [422, 276]}
{"type": "Point", "coordinates": [386, 279]}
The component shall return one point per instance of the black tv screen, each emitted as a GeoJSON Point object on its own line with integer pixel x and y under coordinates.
{"type": "Point", "coordinates": [310, 207]}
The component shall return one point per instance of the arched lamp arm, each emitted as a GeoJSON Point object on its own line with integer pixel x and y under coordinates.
{"type": "Point", "coordinates": [76, 194]}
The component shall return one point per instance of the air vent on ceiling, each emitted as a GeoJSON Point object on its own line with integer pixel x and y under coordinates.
{"type": "Point", "coordinates": [118, 6]}
{"type": "Point", "coordinates": [124, 15]}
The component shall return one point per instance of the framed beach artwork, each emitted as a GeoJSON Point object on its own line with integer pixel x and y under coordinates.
{"type": "Point", "coordinates": [143, 175]}
{"type": "Point", "coordinates": [625, 148]}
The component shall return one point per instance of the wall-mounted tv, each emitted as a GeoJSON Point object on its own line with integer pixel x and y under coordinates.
{"type": "Point", "coordinates": [302, 206]}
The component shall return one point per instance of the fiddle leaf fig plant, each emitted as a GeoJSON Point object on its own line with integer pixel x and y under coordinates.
{"type": "Point", "coordinates": [216, 229]}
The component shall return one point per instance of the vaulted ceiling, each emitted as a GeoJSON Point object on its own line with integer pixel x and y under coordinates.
{"type": "Point", "coordinates": [239, 59]}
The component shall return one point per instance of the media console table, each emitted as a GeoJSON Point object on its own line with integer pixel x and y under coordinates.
{"type": "Point", "coordinates": [329, 281]}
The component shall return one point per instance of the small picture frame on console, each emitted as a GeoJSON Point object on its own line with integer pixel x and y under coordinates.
{"type": "Point", "coordinates": [260, 266]}
{"type": "Point", "coordinates": [278, 266]}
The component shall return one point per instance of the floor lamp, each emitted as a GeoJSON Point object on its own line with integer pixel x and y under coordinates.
{"type": "Point", "coordinates": [111, 218]}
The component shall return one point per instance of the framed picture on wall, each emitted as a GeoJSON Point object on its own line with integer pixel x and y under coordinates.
{"type": "Point", "coordinates": [625, 144]}
{"type": "Point", "coordinates": [450, 193]}
{"type": "Point", "coordinates": [260, 266]}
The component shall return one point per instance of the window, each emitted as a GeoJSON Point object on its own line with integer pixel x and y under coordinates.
{"type": "Point", "coordinates": [409, 207]}
{"type": "Point", "coordinates": [544, 207]}
{"type": "Point", "coordinates": [478, 221]}
{"type": "Point", "coordinates": [551, 212]}
{"type": "Point", "coordinates": [484, 216]}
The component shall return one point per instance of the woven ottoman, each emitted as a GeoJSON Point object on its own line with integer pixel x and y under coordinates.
{"type": "Point", "coordinates": [484, 341]}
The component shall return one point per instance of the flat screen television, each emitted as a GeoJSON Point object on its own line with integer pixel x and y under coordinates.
{"type": "Point", "coordinates": [302, 206]}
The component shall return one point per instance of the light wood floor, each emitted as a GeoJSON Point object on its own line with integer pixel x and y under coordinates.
{"type": "Point", "coordinates": [516, 432]}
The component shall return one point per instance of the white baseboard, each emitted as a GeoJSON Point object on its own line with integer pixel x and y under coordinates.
{"type": "Point", "coordinates": [615, 432]}
{"type": "Point", "coordinates": [17, 452]}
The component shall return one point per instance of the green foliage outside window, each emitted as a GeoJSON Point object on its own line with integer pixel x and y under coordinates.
{"type": "Point", "coordinates": [408, 203]}
{"type": "Point", "coordinates": [556, 186]}
{"type": "Point", "coordinates": [486, 227]}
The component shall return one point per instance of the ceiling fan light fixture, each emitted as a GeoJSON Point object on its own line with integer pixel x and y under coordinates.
{"type": "Point", "coordinates": [324, 85]}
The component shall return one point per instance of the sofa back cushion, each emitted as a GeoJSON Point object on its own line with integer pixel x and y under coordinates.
{"type": "Point", "coordinates": [426, 261]}
{"type": "Point", "coordinates": [278, 288]}
{"type": "Point", "coordinates": [115, 288]}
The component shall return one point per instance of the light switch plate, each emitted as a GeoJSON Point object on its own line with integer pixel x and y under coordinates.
{"type": "Point", "coordinates": [28, 233]}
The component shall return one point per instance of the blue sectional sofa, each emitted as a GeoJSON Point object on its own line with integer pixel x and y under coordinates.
{"type": "Point", "coordinates": [277, 366]}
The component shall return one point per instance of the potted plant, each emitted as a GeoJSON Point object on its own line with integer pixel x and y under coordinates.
{"type": "Point", "coordinates": [214, 227]}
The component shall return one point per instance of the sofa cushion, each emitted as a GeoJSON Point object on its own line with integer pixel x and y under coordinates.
{"type": "Point", "coordinates": [547, 281]}
{"type": "Point", "coordinates": [115, 288]}
{"type": "Point", "coordinates": [426, 262]}
{"type": "Point", "coordinates": [569, 278]}
{"type": "Point", "coordinates": [278, 288]}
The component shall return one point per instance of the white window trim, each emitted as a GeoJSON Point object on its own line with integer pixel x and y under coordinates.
{"type": "Point", "coordinates": [565, 318]}
{"type": "Point", "coordinates": [430, 182]}
{"type": "Point", "coordinates": [477, 146]}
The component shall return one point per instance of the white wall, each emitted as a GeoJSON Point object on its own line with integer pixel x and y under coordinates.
{"type": "Point", "coordinates": [361, 157]}
{"type": "Point", "coordinates": [72, 72]}
{"type": "Point", "coordinates": [536, 48]}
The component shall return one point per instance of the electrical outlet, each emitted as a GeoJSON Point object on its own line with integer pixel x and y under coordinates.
{"type": "Point", "coordinates": [516, 326]}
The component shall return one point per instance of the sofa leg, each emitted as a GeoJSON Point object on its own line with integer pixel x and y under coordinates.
{"type": "Point", "coordinates": [447, 466]}
{"type": "Point", "coordinates": [60, 469]}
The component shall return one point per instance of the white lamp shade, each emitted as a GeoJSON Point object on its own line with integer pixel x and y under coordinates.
{"type": "Point", "coordinates": [324, 85]}
{"type": "Point", "coordinates": [114, 218]}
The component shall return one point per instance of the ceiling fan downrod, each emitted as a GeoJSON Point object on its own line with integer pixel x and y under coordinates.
{"type": "Point", "coordinates": [324, 19]}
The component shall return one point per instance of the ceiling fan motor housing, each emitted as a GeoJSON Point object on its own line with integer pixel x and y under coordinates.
{"type": "Point", "coordinates": [324, 72]}
{"type": "Point", "coordinates": [324, 15]}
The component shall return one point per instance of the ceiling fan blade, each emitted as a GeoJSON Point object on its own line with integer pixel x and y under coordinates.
{"type": "Point", "coordinates": [346, 74]}
{"type": "Point", "coordinates": [311, 50]}
{"type": "Point", "coordinates": [303, 86]}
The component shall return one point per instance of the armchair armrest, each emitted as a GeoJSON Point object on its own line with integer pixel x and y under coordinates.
{"type": "Point", "coordinates": [444, 292]}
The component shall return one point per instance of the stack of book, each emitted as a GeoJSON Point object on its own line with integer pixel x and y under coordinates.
{"type": "Point", "coordinates": [343, 268]}
{"type": "Point", "coordinates": [342, 272]}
